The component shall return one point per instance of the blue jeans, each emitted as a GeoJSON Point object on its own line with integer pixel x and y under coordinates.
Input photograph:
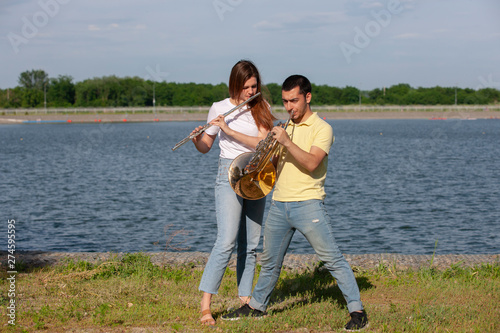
{"type": "Point", "coordinates": [239, 221]}
{"type": "Point", "coordinates": [311, 219]}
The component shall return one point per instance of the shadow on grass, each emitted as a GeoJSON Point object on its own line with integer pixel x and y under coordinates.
{"type": "Point", "coordinates": [309, 287]}
{"type": "Point", "coordinates": [24, 261]}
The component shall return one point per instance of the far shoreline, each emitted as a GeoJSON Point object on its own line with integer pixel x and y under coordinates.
{"type": "Point", "coordinates": [202, 116]}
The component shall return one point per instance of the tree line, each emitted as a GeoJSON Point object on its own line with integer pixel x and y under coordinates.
{"type": "Point", "coordinates": [36, 89]}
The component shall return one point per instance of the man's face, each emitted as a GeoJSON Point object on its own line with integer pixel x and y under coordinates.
{"type": "Point", "coordinates": [297, 103]}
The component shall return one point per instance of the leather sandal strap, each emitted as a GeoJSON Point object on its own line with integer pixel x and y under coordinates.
{"type": "Point", "coordinates": [205, 312]}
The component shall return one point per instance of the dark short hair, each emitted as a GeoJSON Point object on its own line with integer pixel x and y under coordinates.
{"type": "Point", "coordinates": [297, 80]}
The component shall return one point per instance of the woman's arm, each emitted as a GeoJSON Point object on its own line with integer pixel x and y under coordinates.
{"type": "Point", "coordinates": [250, 141]}
{"type": "Point", "coordinates": [204, 141]}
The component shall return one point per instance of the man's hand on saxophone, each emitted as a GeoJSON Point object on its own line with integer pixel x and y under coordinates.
{"type": "Point", "coordinates": [280, 135]}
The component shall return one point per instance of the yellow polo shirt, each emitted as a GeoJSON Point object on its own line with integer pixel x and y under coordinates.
{"type": "Point", "coordinates": [294, 182]}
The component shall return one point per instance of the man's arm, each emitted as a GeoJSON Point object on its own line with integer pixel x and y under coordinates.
{"type": "Point", "coordinates": [309, 160]}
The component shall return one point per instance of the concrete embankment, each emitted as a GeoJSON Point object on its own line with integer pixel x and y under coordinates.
{"type": "Point", "coordinates": [298, 262]}
{"type": "Point", "coordinates": [202, 116]}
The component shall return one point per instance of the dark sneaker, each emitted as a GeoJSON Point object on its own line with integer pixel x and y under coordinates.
{"type": "Point", "coordinates": [244, 311]}
{"type": "Point", "coordinates": [359, 321]}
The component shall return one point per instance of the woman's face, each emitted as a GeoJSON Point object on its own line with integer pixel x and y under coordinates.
{"type": "Point", "coordinates": [249, 89]}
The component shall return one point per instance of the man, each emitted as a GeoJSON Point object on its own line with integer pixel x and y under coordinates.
{"type": "Point", "coordinates": [298, 205]}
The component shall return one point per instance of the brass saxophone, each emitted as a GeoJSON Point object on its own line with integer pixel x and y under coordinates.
{"type": "Point", "coordinates": [253, 175]}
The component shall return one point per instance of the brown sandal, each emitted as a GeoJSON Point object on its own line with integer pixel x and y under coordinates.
{"type": "Point", "coordinates": [243, 301]}
{"type": "Point", "coordinates": [210, 321]}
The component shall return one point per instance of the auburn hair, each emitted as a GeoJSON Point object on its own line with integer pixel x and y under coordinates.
{"type": "Point", "coordinates": [243, 71]}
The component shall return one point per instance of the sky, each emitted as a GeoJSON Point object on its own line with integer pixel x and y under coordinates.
{"type": "Point", "coordinates": [360, 43]}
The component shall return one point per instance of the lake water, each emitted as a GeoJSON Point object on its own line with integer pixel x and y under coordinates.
{"type": "Point", "coordinates": [394, 186]}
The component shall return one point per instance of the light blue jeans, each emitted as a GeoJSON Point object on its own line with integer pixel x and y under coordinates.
{"type": "Point", "coordinates": [239, 221]}
{"type": "Point", "coordinates": [311, 219]}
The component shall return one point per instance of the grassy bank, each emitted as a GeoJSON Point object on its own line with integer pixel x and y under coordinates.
{"type": "Point", "coordinates": [132, 294]}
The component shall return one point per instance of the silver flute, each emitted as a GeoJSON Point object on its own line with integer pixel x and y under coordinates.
{"type": "Point", "coordinates": [204, 128]}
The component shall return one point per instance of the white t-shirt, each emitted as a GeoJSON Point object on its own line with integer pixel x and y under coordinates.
{"type": "Point", "coordinates": [240, 120]}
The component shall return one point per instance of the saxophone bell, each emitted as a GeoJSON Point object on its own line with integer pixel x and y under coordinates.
{"type": "Point", "coordinates": [253, 175]}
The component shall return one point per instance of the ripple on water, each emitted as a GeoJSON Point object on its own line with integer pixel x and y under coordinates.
{"type": "Point", "coordinates": [86, 187]}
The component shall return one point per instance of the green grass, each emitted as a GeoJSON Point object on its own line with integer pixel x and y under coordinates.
{"type": "Point", "coordinates": [127, 294]}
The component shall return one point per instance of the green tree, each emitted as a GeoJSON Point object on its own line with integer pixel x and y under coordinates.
{"type": "Point", "coordinates": [488, 95]}
{"type": "Point", "coordinates": [164, 93]}
{"type": "Point", "coordinates": [61, 91]}
{"type": "Point", "coordinates": [11, 98]}
{"type": "Point", "coordinates": [33, 84]}
{"type": "Point", "coordinates": [326, 95]}
{"type": "Point", "coordinates": [135, 91]}
{"type": "Point", "coordinates": [275, 93]}
{"type": "Point", "coordinates": [428, 96]}
{"type": "Point", "coordinates": [350, 95]}
{"type": "Point", "coordinates": [396, 94]}
{"type": "Point", "coordinates": [377, 96]}
{"type": "Point", "coordinates": [112, 91]}
{"type": "Point", "coordinates": [220, 91]}
{"type": "Point", "coordinates": [86, 92]}
{"type": "Point", "coordinates": [34, 79]}
{"type": "Point", "coordinates": [464, 96]}
{"type": "Point", "coordinates": [413, 97]}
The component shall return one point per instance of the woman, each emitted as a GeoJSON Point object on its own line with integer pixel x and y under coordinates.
{"type": "Point", "coordinates": [238, 220]}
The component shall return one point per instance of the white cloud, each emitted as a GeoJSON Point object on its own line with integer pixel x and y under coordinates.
{"type": "Point", "coordinates": [267, 25]}
{"type": "Point", "coordinates": [300, 21]}
{"type": "Point", "coordinates": [93, 27]}
{"type": "Point", "coordinates": [408, 36]}
{"type": "Point", "coordinates": [370, 5]}
{"type": "Point", "coordinates": [189, 41]}
{"type": "Point", "coordinates": [440, 31]}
